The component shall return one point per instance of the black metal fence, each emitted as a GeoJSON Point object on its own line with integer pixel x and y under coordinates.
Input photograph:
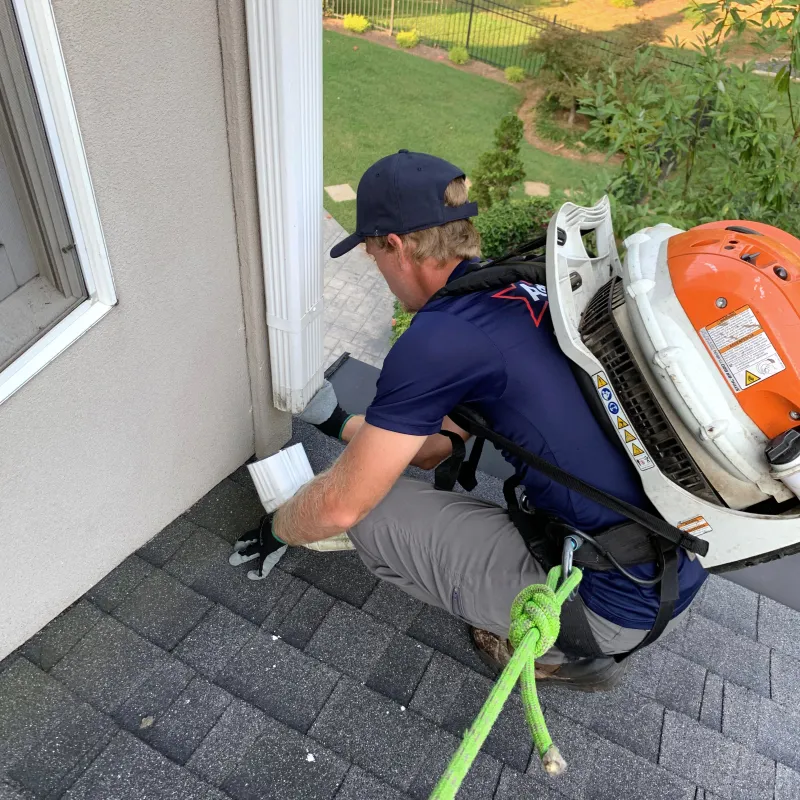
{"type": "Point", "coordinates": [493, 32]}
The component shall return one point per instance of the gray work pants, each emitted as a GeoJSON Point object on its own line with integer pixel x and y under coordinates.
{"type": "Point", "coordinates": [463, 555]}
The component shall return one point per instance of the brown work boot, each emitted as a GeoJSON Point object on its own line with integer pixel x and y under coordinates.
{"type": "Point", "coordinates": [584, 675]}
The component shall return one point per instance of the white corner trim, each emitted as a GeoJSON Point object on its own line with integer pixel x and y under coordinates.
{"type": "Point", "coordinates": [42, 46]}
{"type": "Point", "coordinates": [285, 54]}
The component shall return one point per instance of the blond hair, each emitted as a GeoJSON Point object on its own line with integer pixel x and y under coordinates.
{"type": "Point", "coordinates": [456, 239]}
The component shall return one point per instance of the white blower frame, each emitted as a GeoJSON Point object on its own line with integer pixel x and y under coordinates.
{"type": "Point", "coordinates": [736, 538]}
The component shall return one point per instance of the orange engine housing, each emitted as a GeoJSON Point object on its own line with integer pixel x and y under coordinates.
{"type": "Point", "coordinates": [718, 274]}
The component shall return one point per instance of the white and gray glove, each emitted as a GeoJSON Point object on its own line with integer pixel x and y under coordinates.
{"type": "Point", "coordinates": [325, 413]}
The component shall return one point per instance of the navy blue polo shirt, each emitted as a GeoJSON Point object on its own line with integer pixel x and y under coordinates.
{"type": "Point", "coordinates": [497, 351]}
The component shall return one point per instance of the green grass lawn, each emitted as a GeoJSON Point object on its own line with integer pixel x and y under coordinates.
{"type": "Point", "coordinates": [377, 101]}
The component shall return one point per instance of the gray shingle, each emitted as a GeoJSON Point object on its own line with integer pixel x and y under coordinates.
{"type": "Point", "coordinates": [229, 586]}
{"type": "Point", "coordinates": [283, 763]}
{"type": "Point", "coordinates": [280, 680]}
{"type": "Point", "coordinates": [510, 740]}
{"type": "Point", "coordinates": [600, 770]}
{"type": "Point", "coordinates": [399, 670]}
{"type": "Point", "coordinates": [374, 733]}
{"type": "Point", "coordinates": [350, 640]}
{"type": "Point", "coordinates": [129, 770]}
{"type": "Point", "coordinates": [717, 764]}
{"type": "Point", "coordinates": [54, 641]}
{"type": "Point", "coordinates": [479, 783]}
{"type": "Point", "coordinates": [31, 704]}
{"type": "Point", "coordinates": [787, 783]}
{"type": "Point", "coordinates": [439, 688]}
{"type": "Point", "coordinates": [165, 544]}
{"type": "Point", "coordinates": [711, 710]}
{"type": "Point", "coordinates": [13, 791]}
{"type": "Point", "coordinates": [785, 680]}
{"type": "Point", "coordinates": [730, 655]}
{"type": "Point", "coordinates": [194, 713]}
{"type": "Point", "coordinates": [108, 664]}
{"type": "Point", "coordinates": [341, 574]}
{"type": "Point", "coordinates": [162, 610]}
{"type": "Point", "coordinates": [360, 785]}
{"type": "Point", "coordinates": [669, 678]}
{"type": "Point", "coordinates": [623, 716]}
{"type": "Point", "coordinates": [119, 583]}
{"type": "Point", "coordinates": [514, 786]}
{"type": "Point", "coordinates": [218, 637]}
{"type": "Point", "coordinates": [299, 625]}
{"type": "Point", "coordinates": [741, 709]}
{"type": "Point", "coordinates": [65, 751]}
{"type": "Point", "coordinates": [198, 554]}
{"type": "Point", "coordinates": [763, 725]}
{"type": "Point", "coordinates": [393, 606]}
{"type": "Point", "coordinates": [438, 629]}
{"type": "Point", "coordinates": [225, 746]}
{"type": "Point", "coordinates": [228, 510]}
{"type": "Point", "coordinates": [778, 627]}
{"type": "Point", "coordinates": [151, 699]}
{"type": "Point", "coordinates": [285, 604]}
{"type": "Point", "coordinates": [729, 604]}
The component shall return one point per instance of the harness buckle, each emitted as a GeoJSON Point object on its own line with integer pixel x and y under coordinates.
{"type": "Point", "coordinates": [571, 544]}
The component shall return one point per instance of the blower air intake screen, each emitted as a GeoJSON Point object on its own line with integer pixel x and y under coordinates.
{"type": "Point", "coordinates": [600, 333]}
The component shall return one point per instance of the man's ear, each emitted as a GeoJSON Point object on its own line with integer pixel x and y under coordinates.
{"type": "Point", "coordinates": [400, 250]}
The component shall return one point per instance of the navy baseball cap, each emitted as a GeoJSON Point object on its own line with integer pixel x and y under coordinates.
{"type": "Point", "coordinates": [403, 193]}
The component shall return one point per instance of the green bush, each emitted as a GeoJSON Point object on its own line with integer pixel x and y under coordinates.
{"type": "Point", "coordinates": [512, 223]}
{"type": "Point", "coordinates": [407, 39]}
{"type": "Point", "coordinates": [400, 321]}
{"type": "Point", "coordinates": [458, 55]}
{"type": "Point", "coordinates": [498, 170]}
{"type": "Point", "coordinates": [355, 23]}
{"type": "Point", "coordinates": [515, 74]}
{"type": "Point", "coordinates": [623, 3]}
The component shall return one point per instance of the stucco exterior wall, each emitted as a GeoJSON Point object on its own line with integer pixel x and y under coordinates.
{"type": "Point", "coordinates": [152, 407]}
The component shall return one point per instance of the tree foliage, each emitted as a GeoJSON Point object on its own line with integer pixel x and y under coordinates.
{"type": "Point", "coordinates": [710, 142]}
{"type": "Point", "coordinates": [499, 169]}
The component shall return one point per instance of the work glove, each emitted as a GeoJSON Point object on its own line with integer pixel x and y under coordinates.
{"type": "Point", "coordinates": [325, 413]}
{"type": "Point", "coordinates": [261, 544]}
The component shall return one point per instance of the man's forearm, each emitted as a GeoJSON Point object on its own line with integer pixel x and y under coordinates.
{"type": "Point", "coordinates": [311, 515]}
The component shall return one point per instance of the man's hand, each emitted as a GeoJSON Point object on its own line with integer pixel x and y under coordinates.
{"type": "Point", "coordinates": [325, 413]}
{"type": "Point", "coordinates": [339, 498]}
{"type": "Point", "coordinates": [262, 544]}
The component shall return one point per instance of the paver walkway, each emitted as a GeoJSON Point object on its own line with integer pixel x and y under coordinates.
{"type": "Point", "coordinates": [176, 677]}
{"type": "Point", "coordinates": [358, 303]}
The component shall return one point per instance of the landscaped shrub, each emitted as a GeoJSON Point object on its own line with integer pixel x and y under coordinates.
{"type": "Point", "coordinates": [512, 223]}
{"type": "Point", "coordinates": [458, 55]}
{"type": "Point", "coordinates": [515, 74]}
{"type": "Point", "coordinates": [355, 23]}
{"type": "Point", "coordinates": [623, 3]}
{"type": "Point", "coordinates": [400, 321]}
{"type": "Point", "coordinates": [407, 39]}
{"type": "Point", "coordinates": [499, 169]}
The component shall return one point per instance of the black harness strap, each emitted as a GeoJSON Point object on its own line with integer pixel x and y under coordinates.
{"type": "Point", "coordinates": [669, 590]}
{"type": "Point", "coordinates": [446, 474]}
{"type": "Point", "coordinates": [467, 419]}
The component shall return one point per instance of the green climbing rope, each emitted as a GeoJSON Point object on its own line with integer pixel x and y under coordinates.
{"type": "Point", "coordinates": [535, 623]}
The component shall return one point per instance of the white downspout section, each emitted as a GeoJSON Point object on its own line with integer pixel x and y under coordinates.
{"type": "Point", "coordinates": [285, 46]}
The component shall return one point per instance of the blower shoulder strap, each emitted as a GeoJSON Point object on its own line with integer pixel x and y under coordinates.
{"type": "Point", "coordinates": [472, 422]}
{"type": "Point", "coordinates": [499, 276]}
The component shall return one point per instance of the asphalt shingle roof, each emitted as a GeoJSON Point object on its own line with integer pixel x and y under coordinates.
{"type": "Point", "coordinates": [176, 677]}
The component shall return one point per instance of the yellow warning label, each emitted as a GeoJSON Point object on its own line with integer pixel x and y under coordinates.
{"type": "Point", "coordinates": [629, 437]}
{"type": "Point", "coordinates": [621, 423]}
{"type": "Point", "coordinates": [636, 450]}
{"type": "Point", "coordinates": [750, 379]}
{"type": "Point", "coordinates": [601, 382]}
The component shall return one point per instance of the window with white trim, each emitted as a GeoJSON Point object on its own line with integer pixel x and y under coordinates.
{"type": "Point", "coordinates": [55, 279]}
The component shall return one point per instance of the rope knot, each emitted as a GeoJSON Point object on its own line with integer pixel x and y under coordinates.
{"type": "Point", "coordinates": [535, 608]}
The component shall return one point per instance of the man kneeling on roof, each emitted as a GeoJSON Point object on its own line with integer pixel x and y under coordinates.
{"type": "Point", "coordinates": [493, 351]}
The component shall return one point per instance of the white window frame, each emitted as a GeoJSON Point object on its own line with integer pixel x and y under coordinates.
{"type": "Point", "coordinates": [42, 46]}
